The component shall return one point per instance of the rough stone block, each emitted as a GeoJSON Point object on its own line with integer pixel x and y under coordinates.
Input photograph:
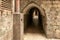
{"type": "Point", "coordinates": [57, 34]}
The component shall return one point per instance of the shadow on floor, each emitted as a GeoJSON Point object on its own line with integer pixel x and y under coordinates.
{"type": "Point", "coordinates": [34, 30]}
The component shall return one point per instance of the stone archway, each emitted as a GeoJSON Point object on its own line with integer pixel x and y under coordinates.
{"type": "Point", "coordinates": [33, 19]}
{"type": "Point", "coordinates": [32, 5]}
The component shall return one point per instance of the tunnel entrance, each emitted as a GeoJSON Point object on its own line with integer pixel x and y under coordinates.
{"type": "Point", "coordinates": [33, 22]}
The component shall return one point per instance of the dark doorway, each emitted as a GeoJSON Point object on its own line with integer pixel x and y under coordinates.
{"type": "Point", "coordinates": [33, 25]}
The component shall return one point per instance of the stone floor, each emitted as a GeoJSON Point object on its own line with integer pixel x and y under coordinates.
{"type": "Point", "coordinates": [34, 33]}
{"type": "Point", "coordinates": [29, 36]}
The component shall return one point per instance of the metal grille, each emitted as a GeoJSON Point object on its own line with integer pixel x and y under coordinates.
{"type": "Point", "coordinates": [5, 4]}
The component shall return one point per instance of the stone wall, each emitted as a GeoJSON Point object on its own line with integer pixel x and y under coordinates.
{"type": "Point", "coordinates": [5, 4]}
{"type": "Point", "coordinates": [25, 3]}
{"type": "Point", "coordinates": [6, 25]}
{"type": "Point", "coordinates": [6, 20]}
{"type": "Point", "coordinates": [53, 18]}
{"type": "Point", "coordinates": [51, 9]}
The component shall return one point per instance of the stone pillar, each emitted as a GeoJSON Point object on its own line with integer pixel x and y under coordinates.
{"type": "Point", "coordinates": [17, 6]}
{"type": "Point", "coordinates": [16, 27]}
{"type": "Point", "coordinates": [21, 26]}
{"type": "Point", "coordinates": [13, 6]}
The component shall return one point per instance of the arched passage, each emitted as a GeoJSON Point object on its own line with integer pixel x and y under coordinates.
{"type": "Point", "coordinates": [28, 19]}
{"type": "Point", "coordinates": [33, 25]}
